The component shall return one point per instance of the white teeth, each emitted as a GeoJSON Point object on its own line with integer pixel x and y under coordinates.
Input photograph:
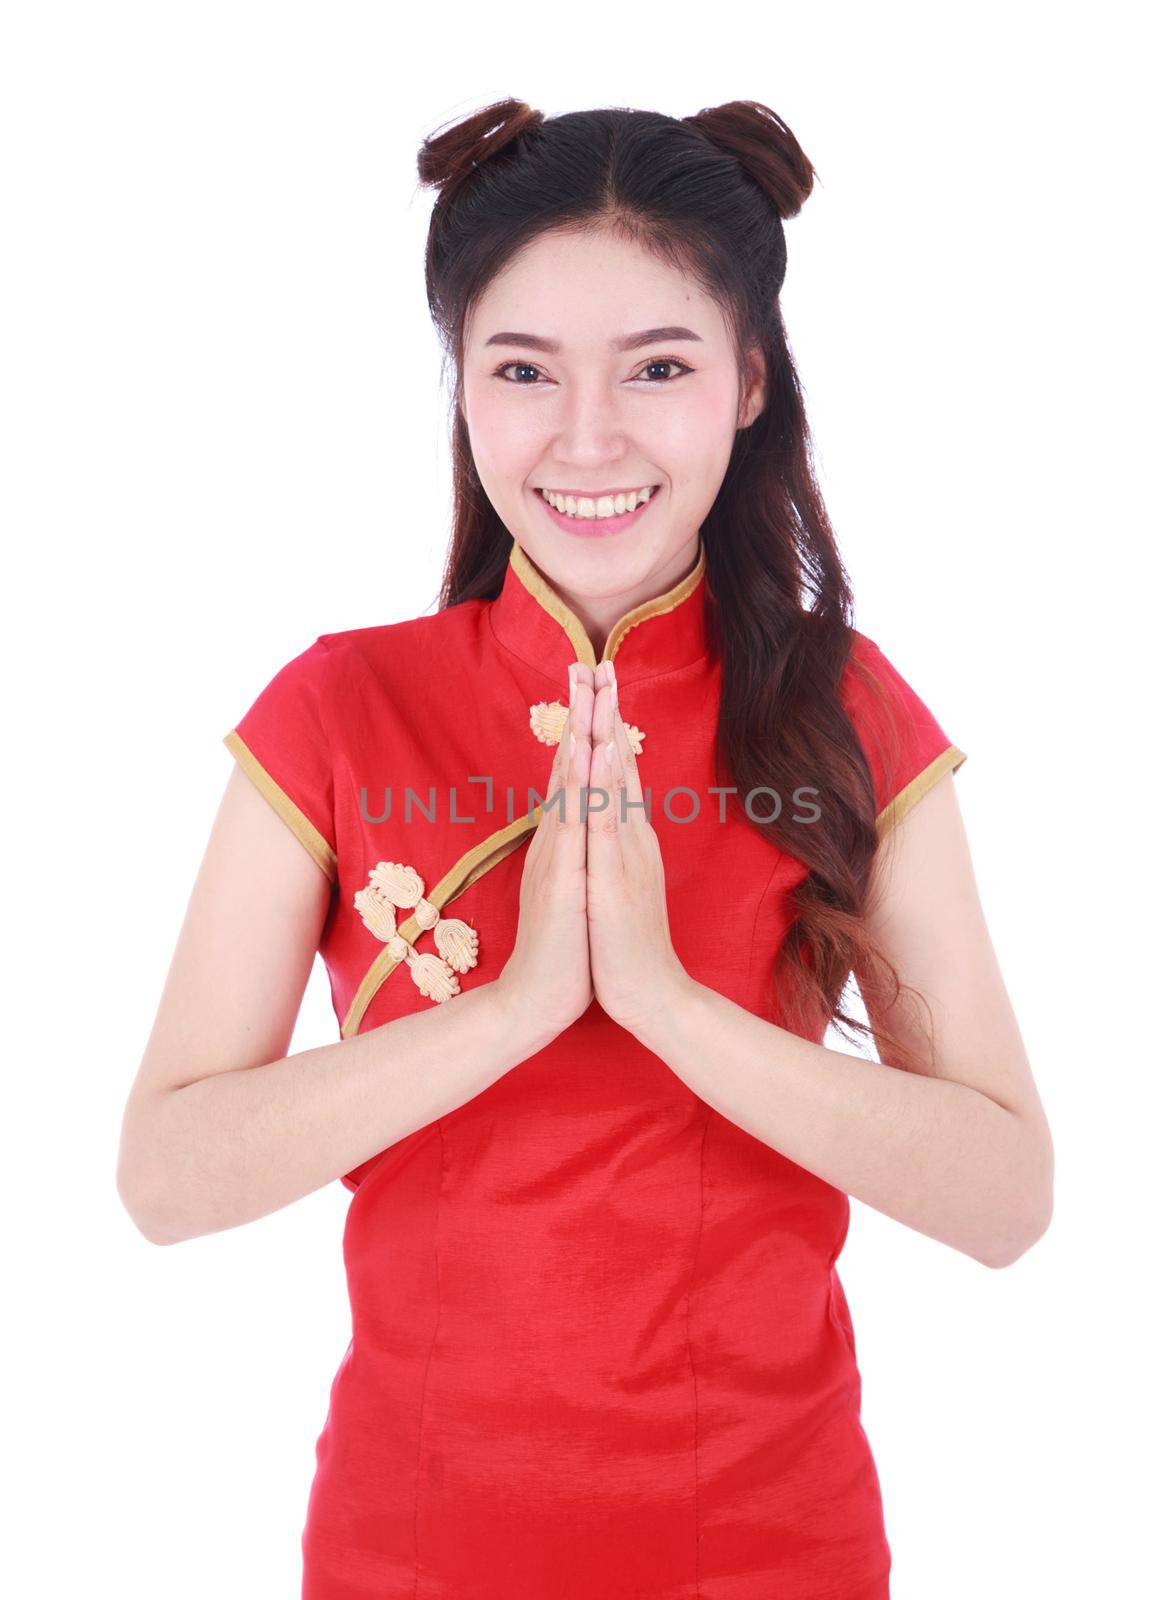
{"type": "Point", "coordinates": [606, 505]}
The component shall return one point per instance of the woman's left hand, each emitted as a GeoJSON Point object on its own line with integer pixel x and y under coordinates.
{"type": "Point", "coordinates": [635, 971]}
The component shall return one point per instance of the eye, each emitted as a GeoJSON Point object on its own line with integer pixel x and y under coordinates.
{"type": "Point", "coordinates": [525, 366]}
{"type": "Point", "coordinates": [666, 361]}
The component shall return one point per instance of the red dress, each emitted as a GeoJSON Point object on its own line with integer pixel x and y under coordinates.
{"type": "Point", "coordinates": [600, 1347]}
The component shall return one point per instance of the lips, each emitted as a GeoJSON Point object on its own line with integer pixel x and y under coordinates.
{"type": "Point", "coordinates": [596, 527]}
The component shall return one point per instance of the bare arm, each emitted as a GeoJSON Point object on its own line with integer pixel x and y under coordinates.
{"type": "Point", "coordinates": [220, 1126]}
{"type": "Point", "coordinates": [956, 1145]}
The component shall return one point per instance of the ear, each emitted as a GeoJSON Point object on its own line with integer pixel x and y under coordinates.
{"type": "Point", "coordinates": [755, 400]}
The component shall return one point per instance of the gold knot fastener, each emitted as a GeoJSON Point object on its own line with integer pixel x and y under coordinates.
{"type": "Point", "coordinates": [394, 884]}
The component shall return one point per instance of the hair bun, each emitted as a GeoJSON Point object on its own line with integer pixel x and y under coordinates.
{"type": "Point", "coordinates": [766, 148]}
{"type": "Point", "coordinates": [446, 158]}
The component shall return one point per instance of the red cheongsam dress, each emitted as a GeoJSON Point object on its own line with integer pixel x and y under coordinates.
{"type": "Point", "coordinates": [600, 1348]}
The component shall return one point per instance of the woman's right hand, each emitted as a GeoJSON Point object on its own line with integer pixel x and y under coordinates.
{"type": "Point", "coordinates": [547, 979]}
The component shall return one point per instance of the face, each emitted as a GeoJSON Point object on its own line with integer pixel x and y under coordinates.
{"type": "Point", "coordinates": [556, 405]}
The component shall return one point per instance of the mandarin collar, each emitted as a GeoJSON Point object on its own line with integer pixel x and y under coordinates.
{"type": "Point", "coordinates": [670, 631]}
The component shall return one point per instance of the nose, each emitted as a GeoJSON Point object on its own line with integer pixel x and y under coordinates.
{"type": "Point", "coordinates": [590, 429]}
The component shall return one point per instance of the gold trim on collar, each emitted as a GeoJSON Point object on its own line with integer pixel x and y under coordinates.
{"type": "Point", "coordinates": [584, 650]}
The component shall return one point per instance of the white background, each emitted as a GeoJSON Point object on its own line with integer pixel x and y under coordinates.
{"type": "Point", "coordinates": [224, 433]}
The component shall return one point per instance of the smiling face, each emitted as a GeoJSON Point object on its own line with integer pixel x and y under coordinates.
{"type": "Point", "coordinates": [551, 402]}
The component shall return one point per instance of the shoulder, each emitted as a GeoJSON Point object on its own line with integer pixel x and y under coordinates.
{"type": "Point", "coordinates": [388, 645]}
{"type": "Point", "coordinates": [313, 692]}
{"type": "Point", "coordinates": [867, 668]}
{"type": "Point", "coordinates": [872, 688]}
{"type": "Point", "coordinates": [289, 736]}
{"type": "Point", "coordinates": [906, 746]}
{"type": "Point", "coordinates": [318, 679]}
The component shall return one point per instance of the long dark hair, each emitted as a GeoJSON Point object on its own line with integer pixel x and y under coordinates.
{"type": "Point", "coordinates": [707, 194]}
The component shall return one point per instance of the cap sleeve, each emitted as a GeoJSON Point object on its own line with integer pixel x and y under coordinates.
{"type": "Point", "coordinates": [282, 745]}
{"type": "Point", "coordinates": [907, 749]}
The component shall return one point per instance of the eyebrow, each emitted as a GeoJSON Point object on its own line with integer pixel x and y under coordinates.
{"type": "Point", "coordinates": [630, 341]}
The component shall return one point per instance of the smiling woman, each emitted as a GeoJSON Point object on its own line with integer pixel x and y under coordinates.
{"type": "Point", "coordinates": [600, 1156]}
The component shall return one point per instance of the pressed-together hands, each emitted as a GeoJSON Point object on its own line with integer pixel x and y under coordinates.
{"type": "Point", "coordinates": [593, 918]}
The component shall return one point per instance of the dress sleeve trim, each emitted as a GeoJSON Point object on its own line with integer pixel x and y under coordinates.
{"type": "Point", "coordinates": [948, 761]}
{"type": "Point", "coordinates": [293, 817]}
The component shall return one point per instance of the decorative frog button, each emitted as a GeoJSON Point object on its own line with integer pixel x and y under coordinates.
{"type": "Point", "coordinates": [395, 884]}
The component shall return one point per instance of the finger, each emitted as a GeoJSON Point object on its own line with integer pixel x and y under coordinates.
{"type": "Point", "coordinates": [629, 778]}
{"type": "Point", "coordinates": [579, 717]}
{"type": "Point", "coordinates": [604, 821]}
{"type": "Point", "coordinates": [572, 726]}
{"type": "Point", "coordinates": [629, 799]}
{"type": "Point", "coordinates": [567, 809]}
{"type": "Point", "coordinates": [604, 841]}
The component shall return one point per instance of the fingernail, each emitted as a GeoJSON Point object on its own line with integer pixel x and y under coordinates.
{"type": "Point", "coordinates": [609, 749]}
{"type": "Point", "coordinates": [570, 678]}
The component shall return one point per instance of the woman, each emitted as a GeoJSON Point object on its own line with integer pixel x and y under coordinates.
{"type": "Point", "coordinates": [590, 855]}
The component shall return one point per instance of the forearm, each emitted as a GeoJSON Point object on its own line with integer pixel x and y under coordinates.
{"type": "Point", "coordinates": [237, 1145]}
{"type": "Point", "coordinates": [928, 1152]}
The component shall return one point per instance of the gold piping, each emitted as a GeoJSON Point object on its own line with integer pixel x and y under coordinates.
{"type": "Point", "coordinates": [290, 814]}
{"type": "Point", "coordinates": [654, 607]}
{"type": "Point", "coordinates": [948, 761]}
{"type": "Point", "coordinates": [473, 864]}
{"type": "Point", "coordinates": [546, 597]}
{"type": "Point", "coordinates": [584, 650]}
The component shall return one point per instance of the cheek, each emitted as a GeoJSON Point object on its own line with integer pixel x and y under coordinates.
{"type": "Point", "coordinates": [503, 437]}
{"type": "Point", "coordinates": [692, 443]}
